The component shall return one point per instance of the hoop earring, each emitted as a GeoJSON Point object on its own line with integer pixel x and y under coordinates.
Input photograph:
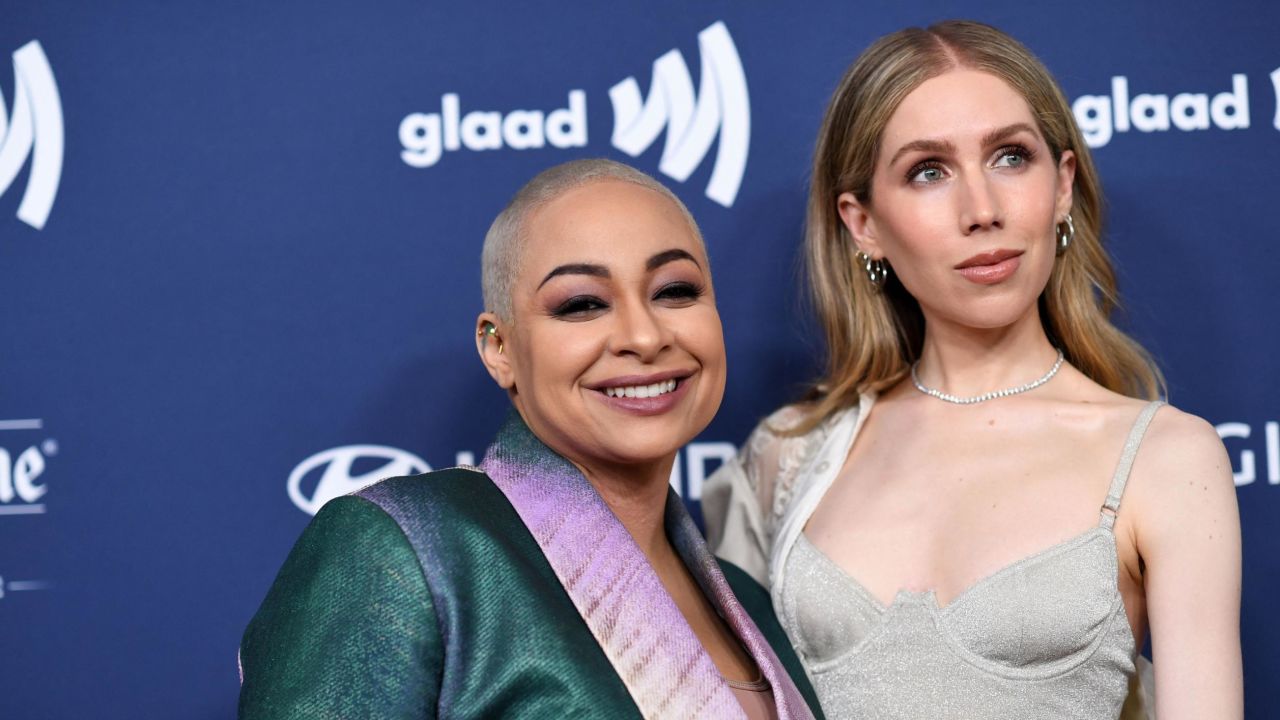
{"type": "Point", "coordinates": [1065, 236]}
{"type": "Point", "coordinates": [876, 270]}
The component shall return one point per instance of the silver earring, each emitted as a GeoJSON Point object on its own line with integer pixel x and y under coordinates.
{"type": "Point", "coordinates": [1065, 236]}
{"type": "Point", "coordinates": [876, 270]}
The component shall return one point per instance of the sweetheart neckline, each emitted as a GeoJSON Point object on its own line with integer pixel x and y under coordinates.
{"type": "Point", "coordinates": [1025, 561]}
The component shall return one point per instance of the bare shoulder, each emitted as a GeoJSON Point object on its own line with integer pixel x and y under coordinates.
{"type": "Point", "coordinates": [1184, 445]}
{"type": "Point", "coordinates": [1182, 476]}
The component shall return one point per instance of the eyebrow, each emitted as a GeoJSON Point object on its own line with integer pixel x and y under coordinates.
{"type": "Point", "coordinates": [653, 263]}
{"type": "Point", "coordinates": [946, 147]}
{"type": "Point", "coordinates": [940, 147]}
{"type": "Point", "coordinates": [576, 269]}
{"type": "Point", "coordinates": [667, 256]}
{"type": "Point", "coordinates": [1002, 134]}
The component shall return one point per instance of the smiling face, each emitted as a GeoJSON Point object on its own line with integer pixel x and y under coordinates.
{"type": "Point", "coordinates": [614, 352]}
{"type": "Point", "coordinates": [964, 201]}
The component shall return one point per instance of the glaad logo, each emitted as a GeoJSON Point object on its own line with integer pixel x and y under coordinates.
{"type": "Point", "coordinates": [692, 123]}
{"type": "Point", "coordinates": [336, 467]}
{"type": "Point", "coordinates": [425, 136]}
{"type": "Point", "coordinates": [1098, 115]}
{"type": "Point", "coordinates": [35, 129]}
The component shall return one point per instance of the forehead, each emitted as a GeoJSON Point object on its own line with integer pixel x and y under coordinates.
{"type": "Point", "coordinates": [957, 105]}
{"type": "Point", "coordinates": [606, 222]}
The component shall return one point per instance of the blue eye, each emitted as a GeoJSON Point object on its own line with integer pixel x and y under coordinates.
{"type": "Point", "coordinates": [1013, 156]}
{"type": "Point", "coordinates": [925, 173]}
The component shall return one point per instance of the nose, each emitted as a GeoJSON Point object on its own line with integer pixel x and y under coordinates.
{"type": "Point", "coordinates": [980, 206]}
{"type": "Point", "coordinates": [640, 331]}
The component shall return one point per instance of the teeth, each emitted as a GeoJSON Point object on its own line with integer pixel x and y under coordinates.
{"type": "Point", "coordinates": [642, 391]}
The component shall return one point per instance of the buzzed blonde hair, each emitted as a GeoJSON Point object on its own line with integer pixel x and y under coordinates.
{"type": "Point", "coordinates": [505, 240]}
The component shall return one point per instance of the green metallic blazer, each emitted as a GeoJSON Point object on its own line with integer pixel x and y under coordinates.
{"type": "Point", "coordinates": [508, 593]}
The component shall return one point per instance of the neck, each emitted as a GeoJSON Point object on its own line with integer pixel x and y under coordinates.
{"type": "Point", "coordinates": [637, 495]}
{"type": "Point", "coordinates": [967, 361]}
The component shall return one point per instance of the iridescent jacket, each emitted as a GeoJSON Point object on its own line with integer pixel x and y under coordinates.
{"type": "Point", "coordinates": [510, 591]}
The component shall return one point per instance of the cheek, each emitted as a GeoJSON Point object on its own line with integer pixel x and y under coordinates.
{"type": "Point", "coordinates": [916, 226]}
{"type": "Point", "coordinates": [556, 355]}
{"type": "Point", "coordinates": [703, 335]}
{"type": "Point", "coordinates": [1035, 197]}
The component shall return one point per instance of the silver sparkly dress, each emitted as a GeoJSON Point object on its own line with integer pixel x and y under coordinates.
{"type": "Point", "coordinates": [1045, 637]}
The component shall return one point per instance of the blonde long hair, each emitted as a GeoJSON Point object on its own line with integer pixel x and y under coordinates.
{"type": "Point", "coordinates": [873, 335]}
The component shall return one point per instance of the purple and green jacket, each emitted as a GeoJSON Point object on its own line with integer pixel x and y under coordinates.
{"type": "Point", "coordinates": [506, 592]}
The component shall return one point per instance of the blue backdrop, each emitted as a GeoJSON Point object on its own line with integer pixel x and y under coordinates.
{"type": "Point", "coordinates": [239, 238]}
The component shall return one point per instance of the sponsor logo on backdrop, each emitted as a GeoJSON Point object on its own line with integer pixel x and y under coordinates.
{"type": "Point", "coordinates": [333, 472]}
{"type": "Point", "coordinates": [692, 121]}
{"type": "Point", "coordinates": [34, 129]}
{"type": "Point", "coordinates": [1275, 85]}
{"type": "Point", "coordinates": [1245, 445]}
{"type": "Point", "coordinates": [25, 451]}
{"type": "Point", "coordinates": [1226, 108]}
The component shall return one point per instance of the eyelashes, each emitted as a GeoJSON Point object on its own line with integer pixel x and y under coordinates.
{"type": "Point", "coordinates": [1023, 153]}
{"type": "Point", "coordinates": [914, 175]}
{"type": "Point", "coordinates": [578, 306]}
{"type": "Point", "coordinates": [679, 290]}
{"type": "Point", "coordinates": [932, 170]}
{"type": "Point", "coordinates": [585, 307]}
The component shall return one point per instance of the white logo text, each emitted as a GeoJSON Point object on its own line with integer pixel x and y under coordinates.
{"type": "Point", "coordinates": [426, 136]}
{"type": "Point", "coordinates": [1248, 472]}
{"type": "Point", "coordinates": [1099, 115]}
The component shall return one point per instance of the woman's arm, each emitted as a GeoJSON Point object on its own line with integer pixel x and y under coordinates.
{"type": "Point", "coordinates": [1188, 533]}
{"type": "Point", "coordinates": [347, 629]}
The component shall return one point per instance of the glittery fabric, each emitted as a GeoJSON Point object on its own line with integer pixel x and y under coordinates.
{"type": "Point", "coordinates": [1046, 637]}
{"type": "Point", "coordinates": [427, 596]}
{"type": "Point", "coordinates": [341, 634]}
{"type": "Point", "coordinates": [702, 565]}
{"type": "Point", "coordinates": [617, 593]}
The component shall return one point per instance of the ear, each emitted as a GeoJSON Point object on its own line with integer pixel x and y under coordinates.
{"type": "Point", "coordinates": [490, 345]}
{"type": "Point", "coordinates": [861, 226]}
{"type": "Point", "coordinates": [1066, 179]}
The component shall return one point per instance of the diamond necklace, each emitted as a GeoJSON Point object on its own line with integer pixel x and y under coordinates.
{"type": "Point", "coordinates": [985, 396]}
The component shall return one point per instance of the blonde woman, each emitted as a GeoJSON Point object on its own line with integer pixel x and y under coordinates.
{"type": "Point", "coordinates": [982, 509]}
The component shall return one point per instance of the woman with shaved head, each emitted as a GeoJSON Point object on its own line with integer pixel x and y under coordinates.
{"type": "Point", "coordinates": [562, 577]}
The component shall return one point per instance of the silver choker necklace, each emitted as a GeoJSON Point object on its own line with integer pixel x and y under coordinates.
{"type": "Point", "coordinates": [985, 396]}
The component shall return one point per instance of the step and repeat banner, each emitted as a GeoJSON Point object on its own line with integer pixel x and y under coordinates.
{"type": "Point", "coordinates": [239, 254]}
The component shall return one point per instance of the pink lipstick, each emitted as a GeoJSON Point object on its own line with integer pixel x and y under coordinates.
{"type": "Point", "coordinates": [652, 394]}
{"type": "Point", "coordinates": [992, 267]}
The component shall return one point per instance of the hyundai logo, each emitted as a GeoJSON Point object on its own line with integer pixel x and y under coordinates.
{"type": "Point", "coordinates": [336, 475]}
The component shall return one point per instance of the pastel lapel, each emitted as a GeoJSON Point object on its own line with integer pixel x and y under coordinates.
{"type": "Point", "coordinates": [615, 590]}
{"type": "Point", "coordinates": [702, 564]}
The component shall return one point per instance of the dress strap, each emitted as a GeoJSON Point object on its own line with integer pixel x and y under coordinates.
{"type": "Point", "coordinates": [1111, 506]}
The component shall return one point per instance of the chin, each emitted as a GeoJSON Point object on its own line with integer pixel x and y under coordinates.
{"type": "Point", "coordinates": [993, 313]}
{"type": "Point", "coordinates": [650, 449]}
